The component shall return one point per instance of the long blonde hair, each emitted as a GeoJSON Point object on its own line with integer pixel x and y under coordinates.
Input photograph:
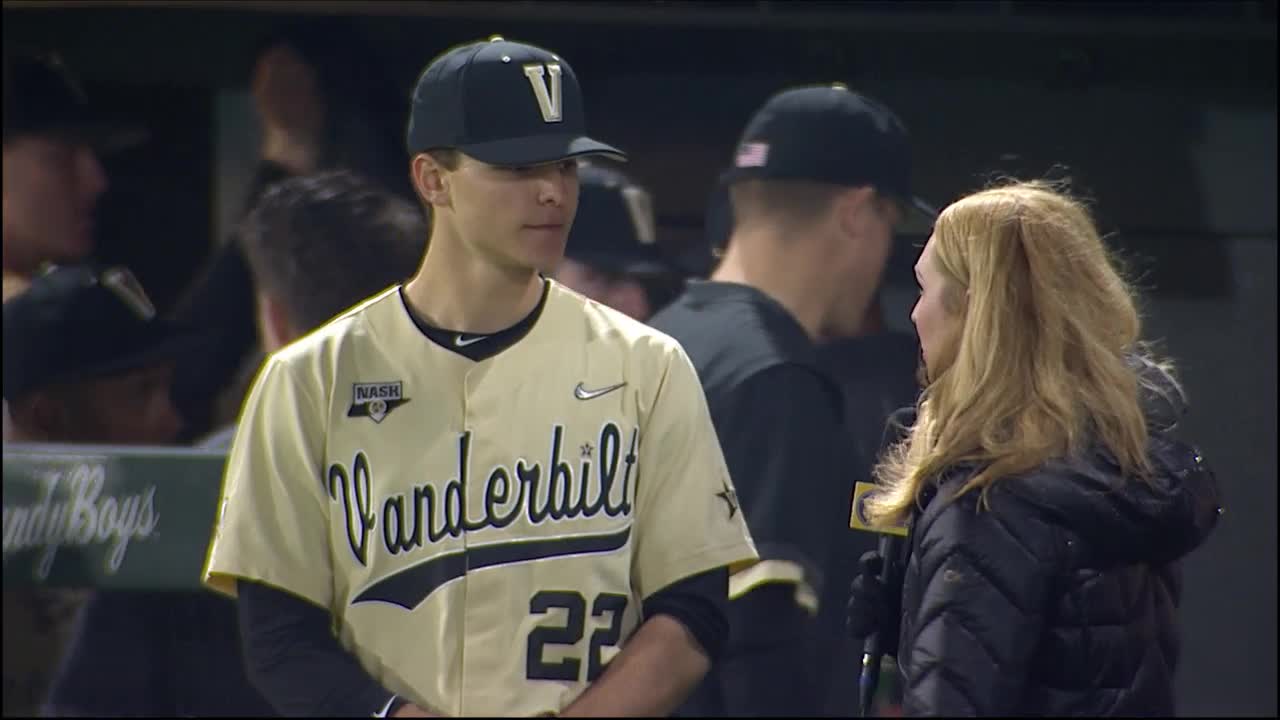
{"type": "Point", "coordinates": [1039, 367]}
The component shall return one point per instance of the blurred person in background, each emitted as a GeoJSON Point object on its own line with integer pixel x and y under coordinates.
{"type": "Point", "coordinates": [612, 255]}
{"type": "Point", "coordinates": [53, 176]}
{"type": "Point", "coordinates": [322, 103]}
{"type": "Point", "coordinates": [875, 368]}
{"type": "Point", "coordinates": [316, 245]}
{"type": "Point", "coordinates": [86, 360]}
{"type": "Point", "coordinates": [820, 178]}
{"type": "Point", "coordinates": [319, 244]}
{"type": "Point", "coordinates": [1049, 505]}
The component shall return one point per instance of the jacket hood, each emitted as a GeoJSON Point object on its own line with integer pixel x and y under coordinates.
{"type": "Point", "coordinates": [1122, 520]}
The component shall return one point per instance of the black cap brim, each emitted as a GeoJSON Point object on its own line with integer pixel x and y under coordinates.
{"type": "Point", "coordinates": [539, 150]}
{"type": "Point", "coordinates": [169, 344]}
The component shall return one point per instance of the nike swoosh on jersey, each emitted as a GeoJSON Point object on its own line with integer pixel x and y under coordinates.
{"type": "Point", "coordinates": [385, 708]}
{"type": "Point", "coordinates": [461, 341]}
{"type": "Point", "coordinates": [582, 393]}
{"type": "Point", "coordinates": [410, 587]}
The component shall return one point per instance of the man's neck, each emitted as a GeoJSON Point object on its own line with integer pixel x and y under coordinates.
{"type": "Point", "coordinates": [456, 289]}
{"type": "Point", "coordinates": [781, 269]}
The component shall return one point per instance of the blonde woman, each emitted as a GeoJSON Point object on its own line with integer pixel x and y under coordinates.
{"type": "Point", "coordinates": [1048, 504]}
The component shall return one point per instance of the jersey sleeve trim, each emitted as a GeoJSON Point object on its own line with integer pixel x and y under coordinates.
{"type": "Point", "coordinates": [771, 572]}
{"type": "Point", "coordinates": [728, 555]}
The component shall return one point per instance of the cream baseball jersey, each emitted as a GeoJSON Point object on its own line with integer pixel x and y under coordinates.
{"type": "Point", "coordinates": [483, 533]}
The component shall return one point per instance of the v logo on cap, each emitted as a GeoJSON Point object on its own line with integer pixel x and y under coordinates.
{"type": "Point", "coordinates": [548, 99]}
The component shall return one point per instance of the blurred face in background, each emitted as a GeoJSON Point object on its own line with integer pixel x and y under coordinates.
{"type": "Point", "coordinates": [862, 244]}
{"type": "Point", "coordinates": [616, 291]}
{"type": "Point", "coordinates": [51, 189]}
{"type": "Point", "coordinates": [287, 95]}
{"type": "Point", "coordinates": [129, 408]}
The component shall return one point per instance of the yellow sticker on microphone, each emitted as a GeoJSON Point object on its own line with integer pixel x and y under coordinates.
{"type": "Point", "coordinates": [858, 517]}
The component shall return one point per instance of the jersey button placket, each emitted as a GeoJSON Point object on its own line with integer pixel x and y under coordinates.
{"type": "Point", "coordinates": [468, 424]}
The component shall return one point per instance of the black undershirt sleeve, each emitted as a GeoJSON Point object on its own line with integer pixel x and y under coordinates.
{"type": "Point", "coordinates": [700, 603]}
{"type": "Point", "coordinates": [297, 664]}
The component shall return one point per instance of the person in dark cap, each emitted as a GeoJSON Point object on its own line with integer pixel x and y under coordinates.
{"type": "Point", "coordinates": [86, 360]}
{"type": "Point", "coordinates": [820, 178]}
{"type": "Point", "coordinates": [613, 256]}
{"type": "Point", "coordinates": [528, 584]}
{"type": "Point", "coordinates": [875, 366]}
{"type": "Point", "coordinates": [53, 177]}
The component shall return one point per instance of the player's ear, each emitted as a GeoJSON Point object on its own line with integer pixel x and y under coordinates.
{"type": "Point", "coordinates": [430, 180]}
{"type": "Point", "coordinates": [850, 204]}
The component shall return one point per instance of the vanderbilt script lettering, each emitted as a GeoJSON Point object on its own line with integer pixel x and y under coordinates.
{"type": "Point", "coordinates": [87, 517]}
{"type": "Point", "coordinates": [556, 491]}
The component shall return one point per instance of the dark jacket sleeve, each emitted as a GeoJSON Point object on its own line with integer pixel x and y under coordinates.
{"type": "Point", "coordinates": [790, 461]}
{"type": "Point", "coordinates": [984, 584]}
{"type": "Point", "coordinates": [785, 449]}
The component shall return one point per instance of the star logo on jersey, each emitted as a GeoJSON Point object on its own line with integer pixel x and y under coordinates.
{"type": "Point", "coordinates": [376, 400]}
{"type": "Point", "coordinates": [729, 497]}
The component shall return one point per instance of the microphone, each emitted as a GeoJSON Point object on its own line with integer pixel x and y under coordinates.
{"type": "Point", "coordinates": [889, 547]}
{"type": "Point", "coordinates": [872, 647]}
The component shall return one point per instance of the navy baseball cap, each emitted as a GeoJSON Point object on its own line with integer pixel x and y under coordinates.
{"type": "Point", "coordinates": [42, 97]}
{"type": "Point", "coordinates": [827, 134]}
{"type": "Point", "coordinates": [79, 322]}
{"type": "Point", "coordinates": [503, 103]}
{"type": "Point", "coordinates": [615, 228]}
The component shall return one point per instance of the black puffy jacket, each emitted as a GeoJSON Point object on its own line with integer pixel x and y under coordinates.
{"type": "Point", "coordinates": [1061, 598]}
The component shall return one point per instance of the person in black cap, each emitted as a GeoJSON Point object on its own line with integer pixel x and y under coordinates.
{"type": "Point", "coordinates": [451, 475]}
{"type": "Point", "coordinates": [612, 255]}
{"type": "Point", "coordinates": [875, 366]}
{"type": "Point", "coordinates": [86, 360]}
{"type": "Point", "coordinates": [53, 177]}
{"type": "Point", "coordinates": [820, 178]}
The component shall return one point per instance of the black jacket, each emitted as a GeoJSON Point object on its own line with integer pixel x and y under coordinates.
{"type": "Point", "coordinates": [1061, 598]}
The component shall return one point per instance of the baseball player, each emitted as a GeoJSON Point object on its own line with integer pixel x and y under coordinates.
{"type": "Point", "coordinates": [810, 232]}
{"type": "Point", "coordinates": [479, 492]}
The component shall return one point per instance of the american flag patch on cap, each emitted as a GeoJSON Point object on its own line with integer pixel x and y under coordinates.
{"type": "Point", "coordinates": [752, 155]}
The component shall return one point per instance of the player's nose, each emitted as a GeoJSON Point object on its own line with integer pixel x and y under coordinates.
{"type": "Point", "coordinates": [556, 182]}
